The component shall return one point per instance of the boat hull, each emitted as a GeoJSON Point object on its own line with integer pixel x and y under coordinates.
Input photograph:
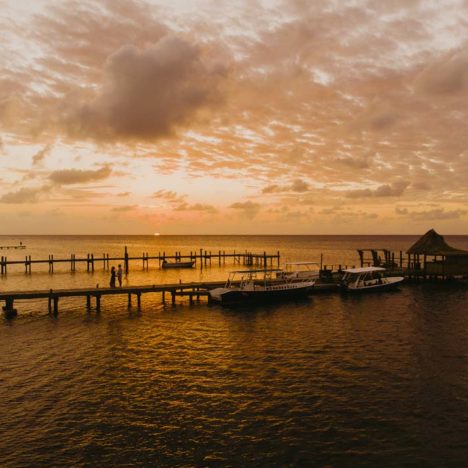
{"type": "Point", "coordinates": [230, 296]}
{"type": "Point", "coordinates": [389, 284]}
{"type": "Point", "coordinates": [177, 265]}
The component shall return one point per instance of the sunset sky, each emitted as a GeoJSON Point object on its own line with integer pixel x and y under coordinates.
{"type": "Point", "coordinates": [233, 117]}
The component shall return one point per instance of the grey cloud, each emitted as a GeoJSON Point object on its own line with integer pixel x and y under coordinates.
{"type": "Point", "coordinates": [169, 196]}
{"type": "Point", "coordinates": [297, 186]}
{"type": "Point", "coordinates": [41, 154]}
{"type": "Point", "coordinates": [248, 208]}
{"type": "Point", "coordinates": [149, 92]}
{"type": "Point", "coordinates": [395, 189]}
{"type": "Point", "coordinates": [431, 215]}
{"type": "Point", "coordinates": [79, 176]}
{"type": "Point", "coordinates": [421, 185]}
{"type": "Point", "coordinates": [25, 195]}
{"type": "Point", "coordinates": [360, 162]}
{"type": "Point", "coordinates": [124, 208]}
{"type": "Point", "coordinates": [447, 76]}
{"type": "Point", "coordinates": [272, 189]}
{"type": "Point", "coordinates": [196, 207]}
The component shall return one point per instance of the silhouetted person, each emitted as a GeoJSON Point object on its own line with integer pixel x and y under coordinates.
{"type": "Point", "coordinates": [119, 275]}
{"type": "Point", "coordinates": [112, 278]}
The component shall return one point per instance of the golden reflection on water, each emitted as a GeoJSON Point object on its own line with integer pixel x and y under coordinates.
{"type": "Point", "coordinates": [328, 380]}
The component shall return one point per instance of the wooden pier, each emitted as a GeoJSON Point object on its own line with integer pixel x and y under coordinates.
{"type": "Point", "coordinates": [193, 290]}
{"type": "Point", "coordinates": [203, 258]}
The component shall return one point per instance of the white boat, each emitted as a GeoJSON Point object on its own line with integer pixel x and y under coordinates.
{"type": "Point", "coordinates": [368, 279]}
{"type": "Point", "coordinates": [260, 286]}
{"type": "Point", "coordinates": [302, 270]}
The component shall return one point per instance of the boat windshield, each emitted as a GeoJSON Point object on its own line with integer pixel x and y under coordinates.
{"type": "Point", "coordinates": [361, 276]}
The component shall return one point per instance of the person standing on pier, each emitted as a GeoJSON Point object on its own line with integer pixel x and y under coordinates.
{"type": "Point", "coordinates": [119, 275]}
{"type": "Point", "coordinates": [112, 278]}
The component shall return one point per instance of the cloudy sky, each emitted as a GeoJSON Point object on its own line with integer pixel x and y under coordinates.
{"type": "Point", "coordinates": [220, 117]}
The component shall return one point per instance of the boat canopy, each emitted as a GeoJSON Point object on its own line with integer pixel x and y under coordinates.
{"type": "Point", "coordinates": [363, 270]}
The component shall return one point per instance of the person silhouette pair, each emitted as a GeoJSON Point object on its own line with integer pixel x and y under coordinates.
{"type": "Point", "coordinates": [116, 275]}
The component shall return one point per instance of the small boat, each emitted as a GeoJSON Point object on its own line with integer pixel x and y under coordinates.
{"type": "Point", "coordinates": [165, 264]}
{"type": "Point", "coordinates": [368, 279]}
{"type": "Point", "coordinates": [247, 286]}
{"type": "Point", "coordinates": [302, 270]}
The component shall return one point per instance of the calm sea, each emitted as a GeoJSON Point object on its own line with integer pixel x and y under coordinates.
{"type": "Point", "coordinates": [331, 380]}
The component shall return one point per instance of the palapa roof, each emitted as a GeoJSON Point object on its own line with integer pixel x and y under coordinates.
{"type": "Point", "coordinates": [433, 243]}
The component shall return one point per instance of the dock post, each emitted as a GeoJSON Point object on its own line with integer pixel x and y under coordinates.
{"type": "Point", "coordinates": [9, 310]}
{"type": "Point", "coordinates": [139, 300]}
{"type": "Point", "coordinates": [104, 261]}
{"type": "Point", "coordinates": [1, 265]}
{"type": "Point", "coordinates": [87, 262]}
{"type": "Point", "coordinates": [56, 299]}
{"type": "Point", "coordinates": [129, 304]}
{"type": "Point", "coordinates": [173, 296]}
{"type": "Point", "coordinates": [49, 302]}
{"type": "Point", "coordinates": [98, 303]}
{"type": "Point", "coordinates": [126, 260]}
{"type": "Point", "coordinates": [92, 262]}
{"type": "Point", "coordinates": [164, 297]}
{"type": "Point", "coordinates": [264, 259]}
{"type": "Point", "coordinates": [88, 302]}
{"type": "Point", "coordinates": [201, 259]}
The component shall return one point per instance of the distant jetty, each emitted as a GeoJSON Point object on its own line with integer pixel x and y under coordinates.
{"type": "Point", "coordinates": [15, 247]}
{"type": "Point", "coordinates": [201, 258]}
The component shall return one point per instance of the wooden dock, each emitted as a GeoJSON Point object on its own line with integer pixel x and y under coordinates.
{"type": "Point", "coordinates": [203, 258]}
{"type": "Point", "coordinates": [193, 290]}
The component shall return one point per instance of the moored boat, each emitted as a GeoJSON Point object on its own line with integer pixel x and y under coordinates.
{"type": "Point", "coordinates": [367, 279]}
{"type": "Point", "coordinates": [165, 264]}
{"type": "Point", "coordinates": [248, 286]}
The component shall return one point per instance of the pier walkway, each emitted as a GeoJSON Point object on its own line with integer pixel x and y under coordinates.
{"type": "Point", "coordinates": [192, 290]}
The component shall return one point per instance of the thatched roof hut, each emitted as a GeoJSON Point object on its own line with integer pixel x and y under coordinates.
{"type": "Point", "coordinates": [433, 244]}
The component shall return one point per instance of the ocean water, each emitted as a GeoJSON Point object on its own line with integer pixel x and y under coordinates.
{"type": "Point", "coordinates": [330, 380]}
